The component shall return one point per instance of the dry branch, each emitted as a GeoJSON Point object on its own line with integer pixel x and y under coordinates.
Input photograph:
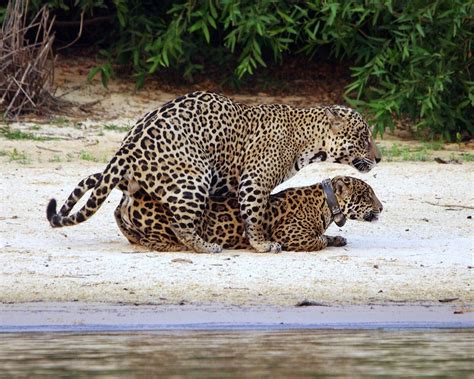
{"type": "Point", "coordinates": [26, 62]}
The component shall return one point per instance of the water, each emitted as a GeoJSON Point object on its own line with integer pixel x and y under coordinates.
{"type": "Point", "coordinates": [237, 354]}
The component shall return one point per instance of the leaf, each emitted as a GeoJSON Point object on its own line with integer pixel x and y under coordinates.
{"type": "Point", "coordinates": [196, 26]}
{"type": "Point", "coordinates": [104, 77]}
{"type": "Point", "coordinates": [205, 30]}
{"type": "Point", "coordinates": [212, 9]}
{"type": "Point", "coordinates": [164, 58]}
{"type": "Point", "coordinates": [285, 17]}
{"type": "Point", "coordinates": [333, 9]}
{"type": "Point", "coordinates": [420, 30]}
{"type": "Point", "coordinates": [211, 21]}
{"type": "Point", "coordinates": [92, 73]}
{"type": "Point", "coordinates": [140, 81]}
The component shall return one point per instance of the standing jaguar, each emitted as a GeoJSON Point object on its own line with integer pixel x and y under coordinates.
{"type": "Point", "coordinates": [204, 144]}
{"type": "Point", "coordinates": [296, 218]}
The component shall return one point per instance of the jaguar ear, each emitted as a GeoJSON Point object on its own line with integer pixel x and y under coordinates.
{"type": "Point", "coordinates": [341, 188]}
{"type": "Point", "coordinates": [330, 114]}
{"type": "Point", "coordinates": [335, 120]}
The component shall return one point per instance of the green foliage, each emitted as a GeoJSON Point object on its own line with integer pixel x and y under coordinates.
{"type": "Point", "coordinates": [409, 58]}
{"type": "Point", "coordinates": [467, 157]}
{"type": "Point", "coordinates": [116, 128]}
{"type": "Point", "coordinates": [18, 156]}
{"type": "Point", "coordinates": [55, 158]}
{"type": "Point", "coordinates": [409, 153]}
{"type": "Point", "coordinates": [87, 156]}
{"type": "Point", "coordinates": [416, 64]}
{"type": "Point", "coordinates": [2, 12]}
{"type": "Point", "coordinates": [19, 135]}
{"type": "Point", "coordinates": [105, 71]}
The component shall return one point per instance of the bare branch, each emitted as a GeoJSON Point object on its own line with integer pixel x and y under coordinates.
{"type": "Point", "coordinates": [27, 63]}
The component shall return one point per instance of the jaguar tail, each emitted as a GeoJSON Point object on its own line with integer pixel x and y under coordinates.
{"type": "Point", "coordinates": [101, 184]}
{"type": "Point", "coordinates": [82, 187]}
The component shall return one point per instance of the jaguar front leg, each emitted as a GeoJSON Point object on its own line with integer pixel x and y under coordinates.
{"type": "Point", "coordinates": [336, 241]}
{"type": "Point", "coordinates": [310, 242]}
{"type": "Point", "coordinates": [294, 235]}
{"type": "Point", "coordinates": [306, 243]}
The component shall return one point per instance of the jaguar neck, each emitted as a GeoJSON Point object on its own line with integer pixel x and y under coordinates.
{"type": "Point", "coordinates": [331, 201]}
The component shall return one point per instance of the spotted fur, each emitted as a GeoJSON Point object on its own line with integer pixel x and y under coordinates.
{"type": "Point", "coordinates": [204, 144]}
{"type": "Point", "coordinates": [296, 218]}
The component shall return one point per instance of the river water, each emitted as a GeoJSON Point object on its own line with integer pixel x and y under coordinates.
{"type": "Point", "coordinates": [238, 353]}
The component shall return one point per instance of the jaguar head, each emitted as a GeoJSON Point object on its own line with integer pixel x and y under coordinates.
{"type": "Point", "coordinates": [350, 139]}
{"type": "Point", "coordinates": [356, 199]}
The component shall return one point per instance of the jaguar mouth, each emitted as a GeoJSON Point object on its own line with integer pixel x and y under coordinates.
{"type": "Point", "coordinates": [371, 216]}
{"type": "Point", "coordinates": [363, 164]}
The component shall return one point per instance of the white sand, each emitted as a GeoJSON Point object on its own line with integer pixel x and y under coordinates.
{"type": "Point", "coordinates": [417, 252]}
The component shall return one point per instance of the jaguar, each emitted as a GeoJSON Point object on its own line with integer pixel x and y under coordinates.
{"type": "Point", "coordinates": [296, 218]}
{"type": "Point", "coordinates": [204, 144]}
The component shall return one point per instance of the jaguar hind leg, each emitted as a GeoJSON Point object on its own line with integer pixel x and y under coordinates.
{"type": "Point", "coordinates": [157, 244]}
{"type": "Point", "coordinates": [185, 193]}
{"type": "Point", "coordinates": [132, 236]}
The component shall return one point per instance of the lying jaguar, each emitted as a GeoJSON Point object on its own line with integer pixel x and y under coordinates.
{"type": "Point", "coordinates": [296, 218]}
{"type": "Point", "coordinates": [204, 144]}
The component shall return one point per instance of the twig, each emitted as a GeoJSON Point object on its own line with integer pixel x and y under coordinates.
{"type": "Point", "coordinates": [18, 91]}
{"type": "Point", "coordinates": [67, 24]}
{"type": "Point", "coordinates": [78, 35]}
{"type": "Point", "coordinates": [448, 205]}
{"type": "Point", "coordinates": [26, 61]}
{"type": "Point", "coordinates": [22, 90]}
{"type": "Point", "coordinates": [48, 149]}
{"type": "Point", "coordinates": [90, 104]}
{"type": "Point", "coordinates": [73, 89]}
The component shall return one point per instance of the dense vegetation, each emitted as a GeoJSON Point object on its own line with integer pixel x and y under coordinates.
{"type": "Point", "coordinates": [409, 58]}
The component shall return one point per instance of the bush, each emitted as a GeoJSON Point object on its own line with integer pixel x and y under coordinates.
{"type": "Point", "coordinates": [409, 58]}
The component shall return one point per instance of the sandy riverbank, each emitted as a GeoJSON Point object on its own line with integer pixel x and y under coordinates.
{"type": "Point", "coordinates": [421, 251]}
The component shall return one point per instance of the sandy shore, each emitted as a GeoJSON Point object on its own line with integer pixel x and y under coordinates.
{"type": "Point", "coordinates": [421, 251]}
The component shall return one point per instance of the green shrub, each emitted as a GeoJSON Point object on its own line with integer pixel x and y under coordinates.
{"type": "Point", "coordinates": [416, 64]}
{"type": "Point", "coordinates": [409, 58]}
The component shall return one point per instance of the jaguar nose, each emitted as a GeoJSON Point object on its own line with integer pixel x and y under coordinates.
{"type": "Point", "coordinates": [376, 151]}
